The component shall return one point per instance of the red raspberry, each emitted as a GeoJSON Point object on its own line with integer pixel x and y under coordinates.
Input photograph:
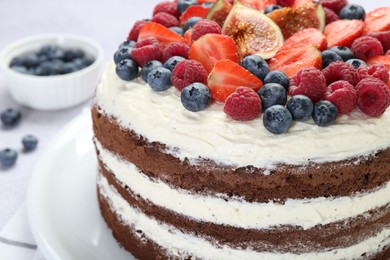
{"type": "Point", "coordinates": [203, 27]}
{"type": "Point", "coordinates": [334, 5]}
{"type": "Point", "coordinates": [340, 70]}
{"type": "Point", "coordinates": [187, 72]}
{"type": "Point", "coordinates": [176, 49]}
{"type": "Point", "coordinates": [365, 47]}
{"type": "Point", "coordinates": [165, 19]}
{"type": "Point", "coordinates": [243, 104]}
{"type": "Point", "coordinates": [343, 95]}
{"type": "Point", "coordinates": [383, 37]}
{"type": "Point", "coordinates": [373, 96]}
{"type": "Point", "coordinates": [377, 71]}
{"type": "Point", "coordinates": [308, 81]}
{"type": "Point", "coordinates": [146, 50]}
{"type": "Point", "coordinates": [330, 15]}
{"type": "Point", "coordinates": [133, 34]}
{"type": "Point", "coordinates": [285, 3]}
{"type": "Point", "coordinates": [166, 7]}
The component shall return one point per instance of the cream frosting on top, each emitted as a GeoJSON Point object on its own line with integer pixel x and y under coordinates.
{"type": "Point", "coordinates": [211, 134]}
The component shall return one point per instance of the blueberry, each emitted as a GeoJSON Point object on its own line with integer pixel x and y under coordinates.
{"type": "Point", "coordinates": [277, 76]}
{"type": "Point", "coordinates": [196, 97]}
{"type": "Point", "coordinates": [256, 65]}
{"type": "Point", "coordinates": [324, 113]}
{"type": "Point", "coordinates": [31, 60]}
{"type": "Point", "coordinates": [172, 61]}
{"type": "Point", "coordinates": [277, 119]}
{"type": "Point", "coordinates": [182, 5]}
{"type": "Point", "coordinates": [148, 67]}
{"type": "Point", "coordinates": [356, 63]}
{"type": "Point", "coordinates": [271, 8]}
{"type": "Point", "coordinates": [191, 22]}
{"type": "Point", "coordinates": [68, 67]}
{"type": "Point", "coordinates": [177, 30]}
{"type": "Point", "coordinates": [8, 157]}
{"type": "Point", "coordinates": [159, 79]}
{"type": "Point", "coordinates": [17, 61]}
{"type": "Point", "coordinates": [44, 69]}
{"type": "Point", "coordinates": [127, 69]}
{"type": "Point", "coordinates": [72, 54]}
{"type": "Point", "coordinates": [20, 69]}
{"type": "Point", "coordinates": [328, 57]}
{"type": "Point", "coordinates": [88, 60]}
{"type": "Point", "coordinates": [272, 94]}
{"type": "Point", "coordinates": [128, 43]}
{"type": "Point", "coordinates": [10, 117]}
{"type": "Point", "coordinates": [300, 107]}
{"type": "Point", "coordinates": [353, 11]}
{"type": "Point", "coordinates": [122, 53]}
{"type": "Point", "coordinates": [56, 52]}
{"type": "Point", "coordinates": [207, 4]}
{"type": "Point", "coordinates": [344, 52]}
{"type": "Point", "coordinates": [29, 142]}
{"type": "Point", "coordinates": [56, 66]}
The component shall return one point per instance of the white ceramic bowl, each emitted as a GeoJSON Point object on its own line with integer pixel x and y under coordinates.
{"type": "Point", "coordinates": [52, 92]}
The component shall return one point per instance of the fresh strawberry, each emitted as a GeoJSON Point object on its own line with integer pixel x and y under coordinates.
{"type": "Point", "coordinates": [258, 4]}
{"type": "Point", "coordinates": [309, 36]}
{"type": "Point", "coordinates": [193, 10]}
{"type": "Point", "coordinates": [206, 1]}
{"type": "Point", "coordinates": [211, 48]}
{"type": "Point", "coordinates": [227, 76]}
{"type": "Point", "coordinates": [297, 3]}
{"type": "Point", "coordinates": [160, 32]}
{"type": "Point", "coordinates": [377, 20]}
{"type": "Point", "coordinates": [382, 59]}
{"type": "Point", "coordinates": [343, 32]}
{"type": "Point", "coordinates": [292, 58]}
{"type": "Point", "coordinates": [188, 36]}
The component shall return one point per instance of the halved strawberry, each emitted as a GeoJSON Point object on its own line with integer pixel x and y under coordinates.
{"type": "Point", "coordinates": [297, 3]}
{"type": "Point", "coordinates": [382, 59]}
{"type": "Point", "coordinates": [211, 48]}
{"type": "Point", "coordinates": [187, 36]}
{"type": "Point", "coordinates": [259, 5]}
{"type": "Point", "coordinates": [206, 1]}
{"type": "Point", "coordinates": [343, 32]}
{"type": "Point", "coordinates": [309, 36]}
{"type": "Point", "coordinates": [377, 20]}
{"type": "Point", "coordinates": [193, 10]}
{"type": "Point", "coordinates": [227, 76]}
{"type": "Point", "coordinates": [292, 58]}
{"type": "Point", "coordinates": [160, 32]}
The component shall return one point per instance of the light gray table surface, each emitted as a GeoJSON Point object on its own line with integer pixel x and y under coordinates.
{"type": "Point", "coordinates": [106, 22]}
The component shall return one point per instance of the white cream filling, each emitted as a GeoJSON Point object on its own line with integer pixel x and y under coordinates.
{"type": "Point", "coordinates": [180, 244]}
{"type": "Point", "coordinates": [160, 116]}
{"type": "Point", "coordinates": [305, 213]}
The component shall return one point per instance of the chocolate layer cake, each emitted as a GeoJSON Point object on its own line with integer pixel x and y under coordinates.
{"type": "Point", "coordinates": [178, 184]}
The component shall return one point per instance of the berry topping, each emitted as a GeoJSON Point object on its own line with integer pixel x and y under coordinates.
{"type": "Point", "coordinates": [382, 59]}
{"type": "Point", "coordinates": [383, 37]}
{"type": "Point", "coordinates": [271, 8]}
{"type": "Point", "coordinates": [243, 104]}
{"type": "Point", "coordinates": [227, 76]}
{"type": "Point", "coordinates": [29, 142]}
{"type": "Point", "coordinates": [343, 32]}
{"type": "Point", "coordinates": [279, 77]}
{"type": "Point", "coordinates": [165, 19]}
{"type": "Point", "coordinates": [277, 119]}
{"type": "Point", "coordinates": [353, 11]}
{"type": "Point", "coordinates": [187, 72]}
{"type": "Point", "coordinates": [272, 94]}
{"type": "Point", "coordinates": [159, 79]}
{"type": "Point", "coordinates": [334, 5]}
{"type": "Point", "coordinates": [211, 48]}
{"type": "Point", "coordinates": [203, 27]}
{"type": "Point", "coordinates": [343, 95]}
{"type": "Point", "coordinates": [8, 157]}
{"type": "Point", "coordinates": [176, 49]}
{"type": "Point", "coordinates": [172, 62]}
{"type": "Point", "coordinates": [146, 50]}
{"type": "Point", "coordinates": [309, 82]}
{"type": "Point", "coordinates": [366, 46]}
{"type": "Point", "coordinates": [344, 52]}
{"type": "Point", "coordinates": [196, 97]}
{"type": "Point", "coordinates": [329, 56]}
{"type": "Point", "coordinates": [190, 23]}
{"type": "Point", "coordinates": [166, 7]}
{"type": "Point", "coordinates": [300, 107]}
{"type": "Point", "coordinates": [127, 70]}
{"type": "Point", "coordinates": [256, 65]}
{"type": "Point", "coordinates": [148, 67]}
{"type": "Point", "coordinates": [134, 32]}
{"type": "Point", "coordinates": [195, 11]}
{"type": "Point", "coordinates": [177, 30]}
{"type": "Point", "coordinates": [378, 71]}
{"type": "Point", "coordinates": [341, 71]}
{"type": "Point", "coordinates": [309, 37]}
{"type": "Point", "coordinates": [182, 5]}
{"type": "Point", "coordinates": [122, 53]}
{"type": "Point", "coordinates": [330, 16]}
{"type": "Point", "coordinates": [324, 113]}
{"type": "Point", "coordinates": [160, 32]}
{"type": "Point", "coordinates": [377, 20]}
{"type": "Point", "coordinates": [373, 96]}
{"type": "Point", "coordinates": [127, 43]}
{"type": "Point", "coordinates": [356, 63]}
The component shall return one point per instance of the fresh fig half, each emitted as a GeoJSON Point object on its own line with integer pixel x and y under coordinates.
{"type": "Point", "coordinates": [253, 32]}
{"type": "Point", "coordinates": [292, 20]}
{"type": "Point", "coordinates": [219, 11]}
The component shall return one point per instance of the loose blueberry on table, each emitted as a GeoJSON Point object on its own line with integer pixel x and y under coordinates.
{"type": "Point", "coordinates": [8, 157]}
